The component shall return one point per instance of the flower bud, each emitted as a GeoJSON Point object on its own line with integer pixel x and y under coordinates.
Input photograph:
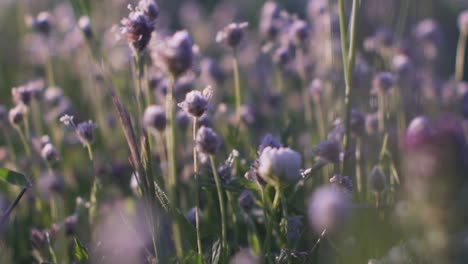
{"type": "Point", "coordinates": [154, 118]}
{"type": "Point", "coordinates": [182, 120]}
{"type": "Point", "coordinates": [382, 82]}
{"type": "Point", "coordinates": [37, 238]}
{"type": "Point", "coordinates": [137, 29]}
{"type": "Point", "coordinates": [149, 8]}
{"type": "Point", "coordinates": [299, 32]}
{"type": "Point", "coordinates": [71, 224]}
{"type": "Point", "coordinates": [49, 153]}
{"type": "Point", "coordinates": [85, 132]}
{"type": "Point", "coordinates": [342, 182]}
{"type": "Point", "coordinates": [16, 114]}
{"type": "Point", "coordinates": [195, 103]}
{"type": "Point", "coordinates": [377, 181]}
{"type": "Point", "coordinates": [207, 141]}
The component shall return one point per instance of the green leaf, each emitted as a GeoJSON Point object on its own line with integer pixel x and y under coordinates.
{"type": "Point", "coordinates": [14, 178]}
{"type": "Point", "coordinates": [79, 251]}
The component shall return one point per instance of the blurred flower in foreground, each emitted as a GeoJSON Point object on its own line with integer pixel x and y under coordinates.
{"type": "Point", "coordinates": [328, 209]}
{"type": "Point", "coordinates": [245, 256]}
{"type": "Point", "coordinates": [175, 54]}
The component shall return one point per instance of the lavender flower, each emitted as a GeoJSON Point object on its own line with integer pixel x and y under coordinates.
{"type": "Point", "coordinates": [41, 23]}
{"type": "Point", "coordinates": [299, 32]}
{"type": "Point", "coordinates": [270, 24]}
{"type": "Point", "coordinates": [154, 118]}
{"type": "Point", "coordinates": [85, 26]}
{"type": "Point", "coordinates": [85, 132]}
{"type": "Point", "coordinates": [190, 215]}
{"type": "Point", "coordinates": [175, 54]}
{"type": "Point", "coordinates": [196, 102]}
{"type": "Point", "coordinates": [342, 182]}
{"type": "Point", "coordinates": [244, 256]}
{"type": "Point", "coordinates": [149, 8]}
{"type": "Point", "coordinates": [137, 27]}
{"type": "Point", "coordinates": [232, 34]}
{"type": "Point", "coordinates": [328, 151]}
{"type": "Point", "coordinates": [382, 83]}
{"type": "Point", "coordinates": [207, 141]}
{"type": "Point", "coordinates": [49, 153]}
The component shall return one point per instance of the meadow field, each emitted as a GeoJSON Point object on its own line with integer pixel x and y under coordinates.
{"type": "Point", "coordinates": [234, 131]}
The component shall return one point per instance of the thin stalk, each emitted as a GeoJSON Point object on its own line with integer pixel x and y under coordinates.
{"type": "Point", "coordinates": [269, 228]}
{"type": "Point", "coordinates": [50, 73]}
{"type": "Point", "coordinates": [137, 82]}
{"type": "Point", "coordinates": [221, 205]}
{"type": "Point", "coordinates": [359, 179]}
{"type": "Point", "coordinates": [320, 119]}
{"type": "Point", "coordinates": [94, 189]}
{"type": "Point", "coordinates": [348, 67]}
{"type": "Point", "coordinates": [172, 167]}
{"type": "Point", "coordinates": [460, 60]}
{"type": "Point", "coordinates": [381, 110]}
{"type": "Point", "coordinates": [51, 249]}
{"type": "Point", "coordinates": [23, 140]}
{"type": "Point", "coordinates": [284, 208]}
{"type": "Point", "coordinates": [197, 190]}
{"type": "Point", "coordinates": [11, 207]}
{"type": "Point", "coordinates": [37, 121]}
{"type": "Point", "coordinates": [235, 65]}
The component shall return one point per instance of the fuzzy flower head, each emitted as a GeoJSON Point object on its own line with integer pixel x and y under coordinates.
{"type": "Point", "coordinates": [328, 209]}
{"type": "Point", "coordinates": [196, 102]}
{"type": "Point", "coordinates": [232, 34]}
{"type": "Point", "coordinates": [84, 25]}
{"type": "Point", "coordinates": [279, 165]}
{"type": "Point", "coordinates": [382, 83]}
{"type": "Point", "coordinates": [149, 8]}
{"type": "Point", "coordinates": [246, 200]}
{"type": "Point", "coordinates": [342, 183]}
{"type": "Point", "coordinates": [85, 132]}
{"type": "Point", "coordinates": [463, 22]}
{"type": "Point", "coordinates": [175, 54]}
{"type": "Point", "coordinates": [328, 151]}
{"type": "Point", "coordinates": [270, 20]}
{"type": "Point", "coordinates": [139, 25]}
{"type": "Point", "coordinates": [207, 141]}
{"type": "Point", "coordinates": [154, 118]}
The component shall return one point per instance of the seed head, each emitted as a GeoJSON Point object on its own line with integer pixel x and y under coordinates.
{"type": "Point", "coordinates": [207, 141]}
{"type": "Point", "coordinates": [154, 118]}
{"type": "Point", "coordinates": [232, 34]}
{"type": "Point", "coordinates": [85, 132]}
{"type": "Point", "coordinates": [463, 22]}
{"type": "Point", "coordinates": [328, 209]}
{"type": "Point", "coordinates": [246, 200]}
{"type": "Point", "coordinates": [279, 165]}
{"type": "Point", "coordinates": [175, 54]}
{"type": "Point", "coordinates": [377, 180]}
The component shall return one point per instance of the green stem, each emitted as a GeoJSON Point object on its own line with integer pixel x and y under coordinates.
{"type": "Point", "coordinates": [460, 59]}
{"type": "Point", "coordinates": [23, 140]}
{"type": "Point", "coordinates": [381, 109]}
{"type": "Point", "coordinates": [9, 143]}
{"type": "Point", "coordinates": [197, 192]}
{"type": "Point", "coordinates": [172, 167]}
{"type": "Point", "coordinates": [221, 205]}
{"type": "Point", "coordinates": [235, 65]}
{"type": "Point", "coordinates": [348, 67]}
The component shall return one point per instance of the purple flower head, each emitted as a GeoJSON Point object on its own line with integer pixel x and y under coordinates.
{"type": "Point", "coordinates": [196, 102]}
{"type": "Point", "coordinates": [154, 118]}
{"type": "Point", "coordinates": [328, 150]}
{"type": "Point", "coordinates": [382, 83]}
{"type": "Point", "coordinates": [246, 200]}
{"type": "Point", "coordinates": [175, 54]}
{"type": "Point", "coordinates": [377, 180]}
{"type": "Point", "coordinates": [279, 165]}
{"type": "Point", "coordinates": [207, 141]}
{"type": "Point", "coordinates": [232, 34]}
{"type": "Point", "coordinates": [299, 32]}
{"type": "Point", "coordinates": [137, 28]}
